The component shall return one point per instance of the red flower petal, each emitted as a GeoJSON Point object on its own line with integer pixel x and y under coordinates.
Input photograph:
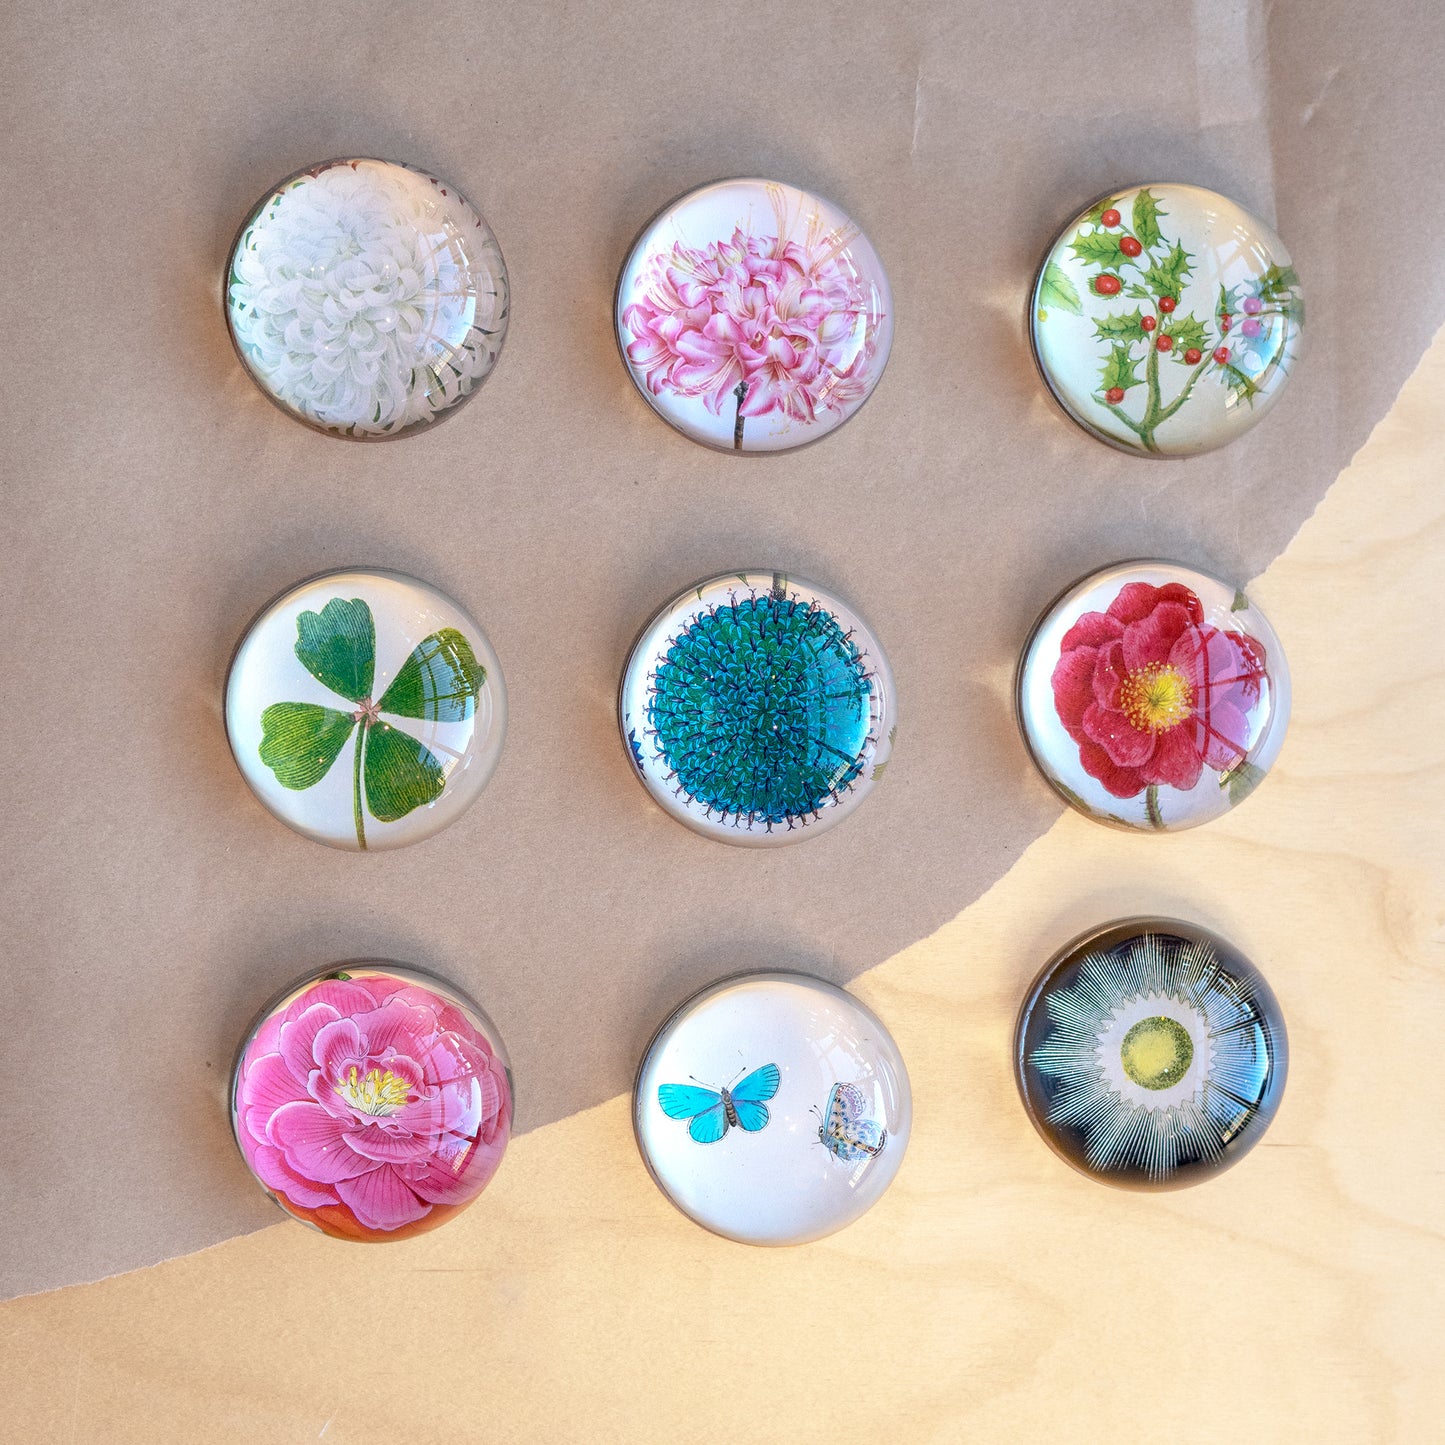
{"type": "Point", "coordinates": [1176, 759]}
{"type": "Point", "coordinates": [1223, 735]}
{"type": "Point", "coordinates": [1109, 673]}
{"type": "Point", "coordinates": [1073, 683]}
{"type": "Point", "coordinates": [1152, 638]}
{"type": "Point", "coordinates": [1121, 782]}
{"type": "Point", "coordinates": [1093, 629]}
{"type": "Point", "coordinates": [1125, 744]}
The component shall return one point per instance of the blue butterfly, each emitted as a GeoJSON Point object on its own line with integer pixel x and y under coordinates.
{"type": "Point", "coordinates": [714, 1111]}
{"type": "Point", "coordinates": [846, 1131]}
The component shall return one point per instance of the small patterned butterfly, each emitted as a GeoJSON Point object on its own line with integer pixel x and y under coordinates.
{"type": "Point", "coordinates": [845, 1130]}
{"type": "Point", "coordinates": [714, 1111]}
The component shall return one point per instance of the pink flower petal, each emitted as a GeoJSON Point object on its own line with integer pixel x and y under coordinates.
{"type": "Point", "coordinates": [298, 1036]}
{"type": "Point", "coordinates": [391, 1147]}
{"type": "Point", "coordinates": [278, 1176]}
{"type": "Point", "coordinates": [315, 1144]}
{"type": "Point", "coordinates": [336, 1046]}
{"type": "Point", "coordinates": [380, 1200]}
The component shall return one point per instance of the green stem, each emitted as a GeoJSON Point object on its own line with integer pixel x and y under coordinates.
{"type": "Point", "coordinates": [356, 786]}
{"type": "Point", "coordinates": [740, 391]}
{"type": "Point", "coordinates": [1151, 806]}
{"type": "Point", "coordinates": [1183, 395]}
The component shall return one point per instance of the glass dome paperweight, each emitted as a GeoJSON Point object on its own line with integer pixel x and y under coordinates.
{"type": "Point", "coordinates": [1166, 320]}
{"type": "Point", "coordinates": [365, 709]}
{"type": "Point", "coordinates": [1153, 696]}
{"type": "Point", "coordinates": [757, 709]}
{"type": "Point", "coordinates": [772, 1108]}
{"type": "Point", "coordinates": [753, 316]}
{"type": "Point", "coordinates": [365, 298]}
{"type": "Point", "coordinates": [372, 1101]}
{"type": "Point", "coordinates": [1150, 1054]}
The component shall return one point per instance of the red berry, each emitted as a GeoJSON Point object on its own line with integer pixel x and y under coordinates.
{"type": "Point", "coordinates": [1224, 320]}
{"type": "Point", "coordinates": [1222, 355]}
{"type": "Point", "coordinates": [1192, 356]}
{"type": "Point", "coordinates": [1114, 395]}
{"type": "Point", "coordinates": [1110, 218]}
{"type": "Point", "coordinates": [1167, 304]}
{"type": "Point", "coordinates": [1165, 343]}
{"type": "Point", "coordinates": [1148, 323]}
{"type": "Point", "coordinates": [1129, 246]}
{"type": "Point", "coordinates": [1107, 285]}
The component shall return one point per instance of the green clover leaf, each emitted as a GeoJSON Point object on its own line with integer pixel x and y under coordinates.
{"type": "Point", "coordinates": [439, 682]}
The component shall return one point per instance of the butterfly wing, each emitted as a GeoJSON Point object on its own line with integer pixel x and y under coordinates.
{"type": "Point", "coordinates": [710, 1125]}
{"type": "Point", "coordinates": [846, 1102]}
{"type": "Point", "coordinates": [759, 1086]}
{"type": "Point", "coordinates": [849, 1134]}
{"type": "Point", "coordinates": [682, 1101]}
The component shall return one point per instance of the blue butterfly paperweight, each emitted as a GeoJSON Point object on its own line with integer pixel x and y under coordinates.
{"type": "Point", "coordinates": [757, 709]}
{"type": "Point", "coordinates": [772, 1108]}
{"type": "Point", "coordinates": [1150, 1054]}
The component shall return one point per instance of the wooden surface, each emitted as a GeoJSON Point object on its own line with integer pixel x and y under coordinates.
{"type": "Point", "coordinates": [992, 1295]}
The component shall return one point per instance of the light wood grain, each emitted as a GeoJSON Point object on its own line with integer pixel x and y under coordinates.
{"type": "Point", "coordinates": [993, 1295]}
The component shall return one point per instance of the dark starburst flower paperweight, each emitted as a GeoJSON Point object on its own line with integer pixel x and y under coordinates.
{"type": "Point", "coordinates": [757, 708]}
{"type": "Point", "coordinates": [1150, 1054]}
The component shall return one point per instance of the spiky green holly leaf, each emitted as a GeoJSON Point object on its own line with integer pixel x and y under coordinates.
{"type": "Point", "coordinates": [401, 774]}
{"type": "Point", "coordinates": [1276, 281]}
{"type": "Point", "coordinates": [337, 646]}
{"type": "Point", "coordinates": [1137, 292]}
{"type": "Point", "coordinates": [300, 741]}
{"type": "Point", "coordinates": [1241, 385]}
{"type": "Point", "coordinates": [1097, 247]}
{"type": "Point", "coordinates": [1146, 219]}
{"type": "Point", "coordinates": [1120, 370]}
{"type": "Point", "coordinates": [1187, 331]}
{"type": "Point", "coordinates": [1055, 289]}
{"type": "Point", "coordinates": [439, 681]}
{"type": "Point", "coordinates": [1120, 328]}
{"type": "Point", "coordinates": [1241, 781]}
{"type": "Point", "coordinates": [1095, 214]}
{"type": "Point", "coordinates": [1292, 308]}
{"type": "Point", "coordinates": [1223, 307]}
{"type": "Point", "coordinates": [1166, 277]}
{"type": "Point", "coordinates": [1240, 603]}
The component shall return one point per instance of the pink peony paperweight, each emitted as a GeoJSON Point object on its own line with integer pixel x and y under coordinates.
{"type": "Point", "coordinates": [1153, 696]}
{"type": "Point", "coordinates": [754, 316]}
{"type": "Point", "coordinates": [372, 1101]}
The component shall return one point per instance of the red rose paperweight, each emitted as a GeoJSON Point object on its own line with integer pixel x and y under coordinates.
{"type": "Point", "coordinates": [1153, 696]}
{"type": "Point", "coordinates": [372, 1101]}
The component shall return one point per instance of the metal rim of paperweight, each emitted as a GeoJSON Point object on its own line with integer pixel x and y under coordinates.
{"type": "Point", "coordinates": [757, 708]}
{"type": "Point", "coordinates": [371, 1100]}
{"type": "Point", "coordinates": [1208, 377]}
{"type": "Point", "coordinates": [1152, 696]}
{"type": "Point", "coordinates": [747, 337]}
{"type": "Point", "coordinates": [772, 1108]}
{"type": "Point", "coordinates": [349, 314]}
{"type": "Point", "coordinates": [365, 708]}
{"type": "Point", "coordinates": [1150, 1054]}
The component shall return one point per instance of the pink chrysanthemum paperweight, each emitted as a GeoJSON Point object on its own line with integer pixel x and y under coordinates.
{"type": "Point", "coordinates": [365, 298]}
{"type": "Point", "coordinates": [372, 1101]}
{"type": "Point", "coordinates": [1153, 696]}
{"type": "Point", "coordinates": [754, 316]}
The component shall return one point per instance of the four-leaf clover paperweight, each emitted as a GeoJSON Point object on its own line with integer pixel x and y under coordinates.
{"type": "Point", "coordinates": [365, 298]}
{"type": "Point", "coordinates": [366, 709]}
{"type": "Point", "coordinates": [754, 316]}
{"type": "Point", "coordinates": [772, 1108]}
{"type": "Point", "coordinates": [1166, 319]}
{"type": "Point", "coordinates": [372, 1101]}
{"type": "Point", "coordinates": [1153, 696]}
{"type": "Point", "coordinates": [1150, 1054]}
{"type": "Point", "coordinates": [757, 709]}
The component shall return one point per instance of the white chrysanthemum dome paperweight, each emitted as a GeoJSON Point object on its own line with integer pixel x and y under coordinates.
{"type": "Point", "coordinates": [367, 299]}
{"type": "Point", "coordinates": [365, 709]}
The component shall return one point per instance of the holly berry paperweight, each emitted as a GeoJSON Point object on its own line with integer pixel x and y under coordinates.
{"type": "Point", "coordinates": [372, 1101]}
{"type": "Point", "coordinates": [757, 708]}
{"type": "Point", "coordinates": [365, 709]}
{"type": "Point", "coordinates": [772, 1108]}
{"type": "Point", "coordinates": [1166, 320]}
{"type": "Point", "coordinates": [753, 316]}
{"type": "Point", "coordinates": [366, 299]}
{"type": "Point", "coordinates": [1153, 696]}
{"type": "Point", "coordinates": [1150, 1054]}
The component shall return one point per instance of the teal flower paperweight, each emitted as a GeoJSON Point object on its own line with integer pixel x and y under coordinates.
{"type": "Point", "coordinates": [1150, 1054]}
{"type": "Point", "coordinates": [757, 709]}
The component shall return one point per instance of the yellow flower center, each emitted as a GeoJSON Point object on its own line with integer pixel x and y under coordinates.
{"type": "Point", "coordinates": [378, 1091]}
{"type": "Point", "coordinates": [1156, 1052]}
{"type": "Point", "coordinates": [1156, 696]}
